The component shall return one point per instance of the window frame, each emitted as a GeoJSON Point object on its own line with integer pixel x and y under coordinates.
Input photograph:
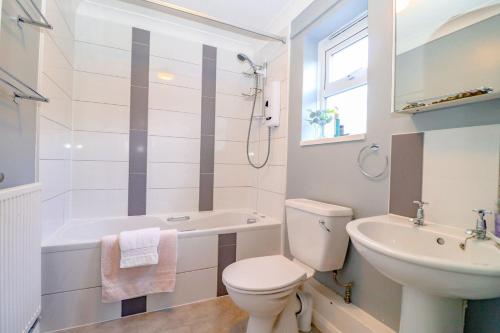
{"type": "Point", "coordinates": [353, 32]}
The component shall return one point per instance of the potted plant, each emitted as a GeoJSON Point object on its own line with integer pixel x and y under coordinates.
{"type": "Point", "coordinates": [321, 118]}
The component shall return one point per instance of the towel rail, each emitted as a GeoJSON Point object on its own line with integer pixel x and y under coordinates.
{"type": "Point", "coordinates": [43, 23]}
{"type": "Point", "coordinates": [18, 93]}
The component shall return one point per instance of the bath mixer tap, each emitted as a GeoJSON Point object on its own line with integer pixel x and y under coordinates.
{"type": "Point", "coordinates": [480, 231]}
{"type": "Point", "coordinates": [419, 220]}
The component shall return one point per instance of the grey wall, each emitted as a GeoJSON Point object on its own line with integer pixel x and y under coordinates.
{"type": "Point", "coordinates": [18, 122]}
{"type": "Point", "coordinates": [329, 172]}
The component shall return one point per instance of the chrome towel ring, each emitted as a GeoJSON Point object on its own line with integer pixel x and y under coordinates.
{"type": "Point", "coordinates": [372, 148]}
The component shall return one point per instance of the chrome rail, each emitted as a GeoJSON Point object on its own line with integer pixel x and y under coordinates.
{"type": "Point", "coordinates": [43, 23]}
{"type": "Point", "coordinates": [18, 93]}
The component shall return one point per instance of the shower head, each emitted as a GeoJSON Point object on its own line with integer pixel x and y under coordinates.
{"type": "Point", "coordinates": [243, 57]}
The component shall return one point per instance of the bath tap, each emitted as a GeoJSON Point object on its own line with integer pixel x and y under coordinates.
{"type": "Point", "coordinates": [480, 232]}
{"type": "Point", "coordinates": [419, 220]}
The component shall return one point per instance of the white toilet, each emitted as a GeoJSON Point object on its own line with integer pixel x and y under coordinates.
{"type": "Point", "coordinates": [266, 287]}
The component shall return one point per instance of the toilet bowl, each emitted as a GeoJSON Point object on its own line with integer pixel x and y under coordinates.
{"type": "Point", "coordinates": [270, 297]}
{"type": "Point", "coordinates": [266, 287]}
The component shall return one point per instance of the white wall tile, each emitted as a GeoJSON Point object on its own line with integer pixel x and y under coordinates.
{"type": "Point", "coordinates": [54, 140]}
{"type": "Point", "coordinates": [273, 178]}
{"type": "Point", "coordinates": [99, 203]}
{"type": "Point", "coordinates": [233, 83]}
{"type": "Point", "coordinates": [93, 175]}
{"type": "Point", "coordinates": [101, 59]}
{"type": "Point", "coordinates": [184, 50]}
{"type": "Point", "coordinates": [233, 106]}
{"type": "Point", "coordinates": [59, 108]}
{"type": "Point", "coordinates": [278, 151]}
{"type": "Point", "coordinates": [101, 31]}
{"type": "Point", "coordinates": [94, 146]}
{"type": "Point", "coordinates": [88, 116]}
{"type": "Point", "coordinates": [184, 74]}
{"type": "Point", "coordinates": [52, 215]}
{"type": "Point", "coordinates": [271, 204]}
{"type": "Point", "coordinates": [172, 98]}
{"type": "Point", "coordinates": [173, 175]}
{"type": "Point", "coordinates": [174, 124]}
{"type": "Point", "coordinates": [227, 60]}
{"type": "Point", "coordinates": [56, 66]}
{"type": "Point", "coordinates": [235, 129]}
{"type": "Point", "coordinates": [182, 150]}
{"type": "Point", "coordinates": [164, 201]}
{"type": "Point", "coordinates": [460, 173]}
{"type": "Point", "coordinates": [55, 176]}
{"type": "Point", "coordinates": [231, 175]}
{"type": "Point", "coordinates": [99, 88]}
{"type": "Point", "coordinates": [231, 152]}
{"type": "Point", "coordinates": [61, 34]}
{"type": "Point", "coordinates": [235, 197]}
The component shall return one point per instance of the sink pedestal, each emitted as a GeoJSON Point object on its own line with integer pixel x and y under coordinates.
{"type": "Point", "coordinates": [421, 312]}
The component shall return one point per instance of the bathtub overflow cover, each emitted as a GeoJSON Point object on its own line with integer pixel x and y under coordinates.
{"type": "Point", "coordinates": [440, 241]}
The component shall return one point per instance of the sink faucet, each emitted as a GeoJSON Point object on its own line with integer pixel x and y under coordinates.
{"type": "Point", "coordinates": [480, 231]}
{"type": "Point", "coordinates": [419, 220]}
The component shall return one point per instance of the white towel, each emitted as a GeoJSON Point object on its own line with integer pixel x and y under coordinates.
{"type": "Point", "coordinates": [139, 247]}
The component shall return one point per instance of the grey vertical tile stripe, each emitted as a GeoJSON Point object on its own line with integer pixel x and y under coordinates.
{"type": "Point", "coordinates": [140, 36]}
{"type": "Point", "coordinates": [138, 139]}
{"type": "Point", "coordinates": [227, 256]}
{"type": "Point", "coordinates": [207, 135]}
{"type": "Point", "coordinates": [206, 192]}
{"type": "Point", "coordinates": [406, 173]}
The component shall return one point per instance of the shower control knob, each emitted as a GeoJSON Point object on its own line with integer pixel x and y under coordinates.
{"type": "Point", "coordinates": [2, 177]}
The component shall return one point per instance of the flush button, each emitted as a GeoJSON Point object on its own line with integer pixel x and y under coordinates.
{"type": "Point", "coordinates": [2, 177]}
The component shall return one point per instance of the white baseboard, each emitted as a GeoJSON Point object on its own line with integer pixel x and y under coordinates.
{"type": "Point", "coordinates": [332, 315]}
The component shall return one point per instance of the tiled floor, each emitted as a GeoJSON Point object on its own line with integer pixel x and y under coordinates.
{"type": "Point", "coordinates": [215, 316]}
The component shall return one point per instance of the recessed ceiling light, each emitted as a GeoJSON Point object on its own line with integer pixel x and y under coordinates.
{"type": "Point", "coordinates": [166, 76]}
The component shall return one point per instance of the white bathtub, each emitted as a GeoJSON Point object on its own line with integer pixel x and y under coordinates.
{"type": "Point", "coordinates": [208, 242]}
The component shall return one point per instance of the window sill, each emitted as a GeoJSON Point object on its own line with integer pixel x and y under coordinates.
{"type": "Point", "coordinates": [345, 138]}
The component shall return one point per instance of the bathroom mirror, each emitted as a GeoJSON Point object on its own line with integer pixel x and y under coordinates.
{"type": "Point", "coordinates": [446, 53]}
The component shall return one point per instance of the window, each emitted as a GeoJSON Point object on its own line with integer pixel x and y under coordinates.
{"type": "Point", "coordinates": [342, 94]}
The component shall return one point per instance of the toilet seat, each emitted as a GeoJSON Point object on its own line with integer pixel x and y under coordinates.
{"type": "Point", "coordinates": [264, 275]}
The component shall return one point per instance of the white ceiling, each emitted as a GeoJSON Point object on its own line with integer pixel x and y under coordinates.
{"type": "Point", "coordinates": [259, 15]}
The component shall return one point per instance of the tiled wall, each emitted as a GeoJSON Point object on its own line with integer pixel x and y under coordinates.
{"type": "Point", "coordinates": [441, 167]}
{"type": "Point", "coordinates": [87, 153]}
{"type": "Point", "coordinates": [271, 182]}
{"type": "Point", "coordinates": [56, 81]}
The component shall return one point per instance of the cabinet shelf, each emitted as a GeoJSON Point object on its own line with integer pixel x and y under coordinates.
{"type": "Point", "coordinates": [454, 103]}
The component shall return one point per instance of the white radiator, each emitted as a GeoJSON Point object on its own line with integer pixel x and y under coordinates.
{"type": "Point", "coordinates": [20, 280]}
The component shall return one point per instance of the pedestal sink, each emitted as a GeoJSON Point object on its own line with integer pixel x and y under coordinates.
{"type": "Point", "coordinates": [436, 274]}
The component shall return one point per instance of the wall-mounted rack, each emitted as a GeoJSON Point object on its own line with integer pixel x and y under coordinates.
{"type": "Point", "coordinates": [28, 19]}
{"type": "Point", "coordinates": [20, 93]}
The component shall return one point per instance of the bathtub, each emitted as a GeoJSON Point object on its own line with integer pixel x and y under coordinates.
{"type": "Point", "coordinates": [208, 242]}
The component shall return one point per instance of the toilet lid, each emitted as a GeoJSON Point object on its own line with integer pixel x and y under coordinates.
{"type": "Point", "coordinates": [263, 274]}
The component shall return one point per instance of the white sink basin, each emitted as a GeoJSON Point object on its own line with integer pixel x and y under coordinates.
{"type": "Point", "coordinates": [435, 272]}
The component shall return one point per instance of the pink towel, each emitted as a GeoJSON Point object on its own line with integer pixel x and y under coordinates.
{"type": "Point", "coordinates": [119, 284]}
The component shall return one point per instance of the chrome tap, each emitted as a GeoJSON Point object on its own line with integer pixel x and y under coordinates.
{"type": "Point", "coordinates": [480, 231]}
{"type": "Point", "coordinates": [419, 220]}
